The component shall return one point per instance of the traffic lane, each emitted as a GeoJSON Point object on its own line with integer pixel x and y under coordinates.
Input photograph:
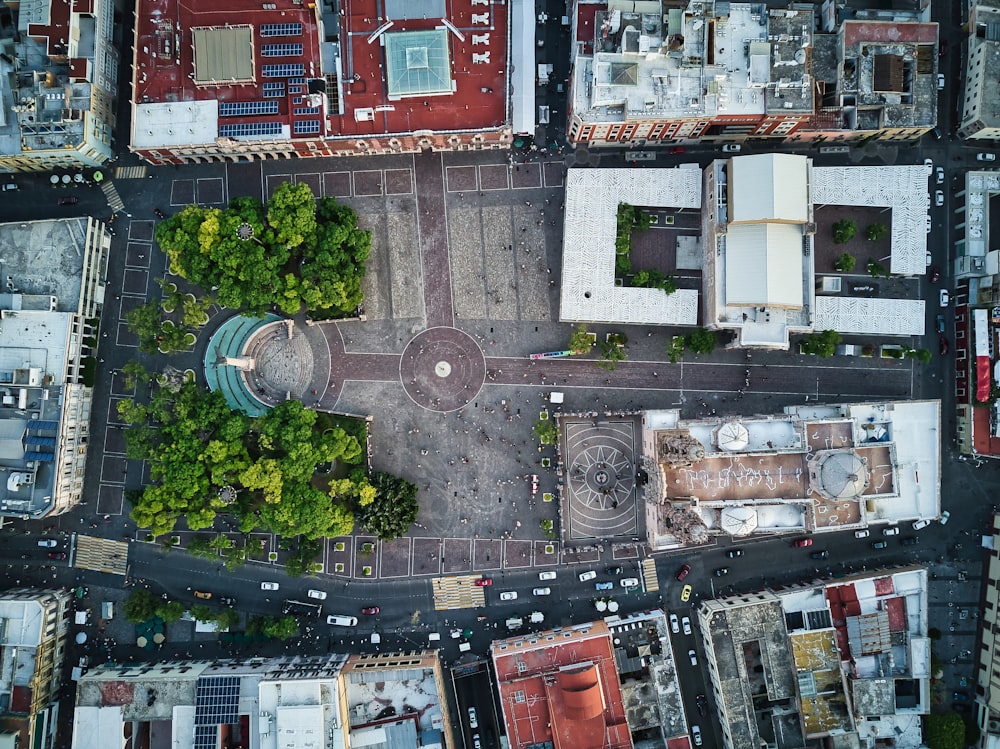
{"type": "Point", "coordinates": [474, 707]}
{"type": "Point", "coordinates": [690, 677]}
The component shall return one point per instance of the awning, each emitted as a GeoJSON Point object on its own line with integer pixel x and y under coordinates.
{"type": "Point", "coordinates": [983, 379]}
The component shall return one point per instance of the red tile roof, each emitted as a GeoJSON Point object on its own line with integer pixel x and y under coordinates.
{"type": "Point", "coordinates": [562, 689]}
{"type": "Point", "coordinates": [889, 33]}
{"type": "Point", "coordinates": [164, 64]}
{"type": "Point", "coordinates": [896, 609]}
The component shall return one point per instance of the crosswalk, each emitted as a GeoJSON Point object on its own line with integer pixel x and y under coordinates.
{"type": "Point", "coordinates": [649, 578]}
{"type": "Point", "coordinates": [457, 592]}
{"type": "Point", "coordinates": [114, 199]}
{"type": "Point", "coordinates": [130, 172]}
{"type": "Point", "coordinates": [100, 554]}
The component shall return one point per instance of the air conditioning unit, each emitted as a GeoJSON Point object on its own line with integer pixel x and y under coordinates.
{"type": "Point", "coordinates": [993, 726]}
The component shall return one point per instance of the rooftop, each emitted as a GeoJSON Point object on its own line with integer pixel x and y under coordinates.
{"type": "Point", "coordinates": [312, 72]}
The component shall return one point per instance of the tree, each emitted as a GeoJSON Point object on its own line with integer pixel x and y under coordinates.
{"type": "Point", "coordinates": [140, 606]}
{"type": "Point", "coordinates": [944, 731]}
{"type": "Point", "coordinates": [170, 611]}
{"type": "Point", "coordinates": [394, 509]}
{"type": "Point", "coordinates": [134, 374]}
{"type": "Point", "coordinates": [876, 269]}
{"type": "Point", "coordinates": [821, 344]}
{"type": "Point", "coordinates": [922, 355]}
{"type": "Point", "coordinates": [676, 348]}
{"type": "Point", "coordinates": [275, 627]}
{"type": "Point", "coordinates": [201, 612]}
{"type": "Point", "coordinates": [144, 322]}
{"type": "Point", "coordinates": [194, 311]}
{"type": "Point", "coordinates": [303, 557]}
{"type": "Point", "coordinates": [845, 263]}
{"type": "Point", "coordinates": [132, 412]}
{"type": "Point", "coordinates": [582, 341]}
{"type": "Point", "coordinates": [844, 231]}
{"type": "Point", "coordinates": [546, 431]}
{"type": "Point", "coordinates": [875, 232]}
{"type": "Point", "coordinates": [701, 341]}
{"type": "Point", "coordinates": [612, 352]}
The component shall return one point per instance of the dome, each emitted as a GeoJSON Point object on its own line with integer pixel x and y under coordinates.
{"type": "Point", "coordinates": [842, 474]}
{"type": "Point", "coordinates": [732, 437]}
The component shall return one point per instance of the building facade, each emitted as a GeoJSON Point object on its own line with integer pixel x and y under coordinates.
{"type": "Point", "coordinates": [987, 694]}
{"type": "Point", "coordinates": [322, 79]}
{"type": "Point", "coordinates": [979, 114]}
{"type": "Point", "coordinates": [58, 85]}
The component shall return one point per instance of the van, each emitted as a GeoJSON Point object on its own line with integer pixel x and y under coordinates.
{"type": "Point", "coordinates": [515, 622]}
{"type": "Point", "coordinates": [847, 349]}
{"type": "Point", "coordinates": [342, 621]}
{"type": "Point", "coordinates": [464, 647]}
{"type": "Point", "coordinates": [537, 616]}
{"type": "Point", "coordinates": [434, 637]}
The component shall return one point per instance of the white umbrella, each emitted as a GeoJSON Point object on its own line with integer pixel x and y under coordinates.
{"type": "Point", "coordinates": [81, 637]}
{"type": "Point", "coordinates": [612, 606]}
{"type": "Point", "coordinates": [600, 605]}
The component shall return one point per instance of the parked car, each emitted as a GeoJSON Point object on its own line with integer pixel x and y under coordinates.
{"type": "Point", "coordinates": [473, 720]}
{"type": "Point", "coordinates": [734, 553]}
{"type": "Point", "coordinates": [986, 157]}
{"type": "Point", "coordinates": [47, 543]}
{"type": "Point", "coordinates": [227, 600]}
{"type": "Point", "coordinates": [370, 610]}
{"type": "Point", "coordinates": [484, 582]}
{"type": "Point", "coordinates": [548, 575]}
{"type": "Point", "coordinates": [824, 554]}
{"type": "Point", "coordinates": [476, 743]}
{"type": "Point", "coordinates": [675, 150]}
{"type": "Point", "coordinates": [693, 656]}
{"type": "Point", "coordinates": [629, 582]}
{"type": "Point", "coordinates": [683, 572]}
{"type": "Point", "coordinates": [943, 345]}
{"type": "Point", "coordinates": [927, 224]}
{"type": "Point", "coordinates": [732, 148]}
{"type": "Point", "coordinates": [616, 570]}
{"type": "Point", "coordinates": [944, 298]}
{"type": "Point", "coordinates": [801, 543]}
{"type": "Point", "coordinates": [940, 81]}
{"type": "Point", "coordinates": [675, 626]}
{"type": "Point", "coordinates": [269, 586]}
{"type": "Point", "coordinates": [319, 595]}
{"type": "Point", "coordinates": [686, 625]}
{"type": "Point", "coordinates": [604, 586]}
{"type": "Point", "coordinates": [721, 572]}
{"type": "Point", "coordinates": [892, 530]}
{"type": "Point", "coordinates": [686, 593]}
{"type": "Point", "coordinates": [702, 702]}
{"type": "Point", "coordinates": [942, 48]}
{"type": "Point", "coordinates": [9, 186]}
{"type": "Point", "coordinates": [939, 175]}
{"type": "Point", "coordinates": [938, 198]}
{"type": "Point", "coordinates": [880, 544]}
{"type": "Point", "coordinates": [944, 517]}
{"type": "Point", "coordinates": [929, 166]}
{"type": "Point", "coordinates": [202, 595]}
{"type": "Point", "coordinates": [862, 533]}
{"type": "Point", "coordinates": [508, 595]}
{"type": "Point", "coordinates": [940, 323]}
{"type": "Point", "coordinates": [936, 132]}
{"type": "Point", "coordinates": [920, 524]}
{"type": "Point", "coordinates": [934, 275]}
{"type": "Point", "coordinates": [69, 200]}
{"type": "Point", "coordinates": [909, 541]}
{"type": "Point", "coordinates": [541, 591]}
{"type": "Point", "coordinates": [60, 555]}
{"type": "Point", "coordinates": [696, 734]}
{"type": "Point", "coordinates": [588, 575]}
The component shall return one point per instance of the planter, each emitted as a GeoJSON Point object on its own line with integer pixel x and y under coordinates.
{"type": "Point", "coordinates": [338, 567]}
{"type": "Point", "coordinates": [367, 548]}
{"type": "Point", "coordinates": [175, 540]}
{"type": "Point", "coordinates": [547, 497]}
{"type": "Point", "coordinates": [339, 546]}
{"type": "Point", "coordinates": [272, 556]}
{"type": "Point", "coordinates": [550, 549]}
{"type": "Point", "coordinates": [546, 462]}
{"type": "Point", "coordinates": [366, 571]}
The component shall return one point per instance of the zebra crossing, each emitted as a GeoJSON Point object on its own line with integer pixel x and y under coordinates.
{"type": "Point", "coordinates": [457, 593]}
{"type": "Point", "coordinates": [130, 172]}
{"type": "Point", "coordinates": [100, 554]}
{"type": "Point", "coordinates": [649, 578]}
{"type": "Point", "coordinates": [114, 199]}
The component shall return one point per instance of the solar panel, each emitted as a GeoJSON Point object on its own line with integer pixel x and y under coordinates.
{"type": "Point", "coordinates": [216, 700]}
{"type": "Point", "coordinates": [283, 71]}
{"type": "Point", "coordinates": [298, 111]}
{"type": "Point", "coordinates": [243, 108]}
{"type": "Point", "coordinates": [281, 50]}
{"type": "Point", "coordinates": [246, 129]}
{"type": "Point", "coordinates": [274, 88]}
{"type": "Point", "coordinates": [206, 737]}
{"type": "Point", "coordinates": [305, 127]}
{"type": "Point", "coordinates": [297, 80]}
{"type": "Point", "coordinates": [281, 29]}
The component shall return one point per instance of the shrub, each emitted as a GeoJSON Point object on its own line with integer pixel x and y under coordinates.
{"type": "Point", "coordinates": [844, 231]}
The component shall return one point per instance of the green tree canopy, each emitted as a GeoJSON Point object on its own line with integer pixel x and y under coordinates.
{"type": "Point", "coordinates": [845, 262]}
{"type": "Point", "coordinates": [297, 253]}
{"type": "Point", "coordinates": [821, 344]}
{"type": "Point", "coordinates": [844, 231]}
{"type": "Point", "coordinates": [701, 341]}
{"type": "Point", "coordinates": [394, 509]}
{"type": "Point", "coordinates": [140, 606]}
{"type": "Point", "coordinates": [944, 731]}
{"type": "Point", "coordinates": [582, 340]}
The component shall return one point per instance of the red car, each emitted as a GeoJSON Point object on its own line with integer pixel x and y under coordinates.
{"type": "Point", "coordinates": [370, 610]}
{"type": "Point", "coordinates": [943, 345]}
{"type": "Point", "coordinates": [484, 582]}
{"type": "Point", "coordinates": [802, 542]}
{"type": "Point", "coordinates": [675, 149]}
{"type": "Point", "coordinates": [683, 572]}
{"type": "Point", "coordinates": [57, 555]}
{"type": "Point", "coordinates": [935, 274]}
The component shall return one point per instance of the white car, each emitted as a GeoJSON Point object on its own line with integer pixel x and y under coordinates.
{"type": "Point", "coordinates": [940, 81]}
{"type": "Point", "coordinates": [731, 148]}
{"type": "Point", "coordinates": [630, 582]}
{"type": "Point", "coordinates": [944, 517]}
{"type": "Point", "coordinates": [588, 575]}
{"type": "Point", "coordinates": [268, 586]}
{"type": "Point", "coordinates": [550, 575]}
{"type": "Point", "coordinates": [694, 657]}
{"type": "Point", "coordinates": [696, 735]}
{"type": "Point", "coordinates": [473, 720]}
{"type": "Point", "coordinates": [938, 198]}
{"type": "Point", "coordinates": [929, 165]}
{"type": "Point", "coordinates": [940, 175]}
{"type": "Point", "coordinates": [986, 157]}
{"type": "Point", "coordinates": [862, 533]}
{"type": "Point", "coordinates": [675, 625]}
{"type": "Point", "coordinates": [541, 591]}
{"type": "Point", "coordinates": [47, 543]}
{"type": "Point", "coordinates": [944, 298]}
{"type": "Point", "coordinates": [9, 186]}
{"type": "Point", "coordinates": [319, 595]}
{"type": "Point", "coordinates": [892, 530]}
{"type": "Point", "coordinates": [508, 595]}
{"type": "Point", "coordinates": [919, 524]}
{"type": "Point", "coordinates": [928, 223]}
{"type": "Point", "coordinates": [686, 625]}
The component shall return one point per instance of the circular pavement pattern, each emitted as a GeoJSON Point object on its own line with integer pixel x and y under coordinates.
{"type": "Point", "coordinates": [442, 369]}
{"type": "Point", "coordinates": [600, 456]}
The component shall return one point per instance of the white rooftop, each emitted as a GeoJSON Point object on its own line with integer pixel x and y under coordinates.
{"type": "Point", "coordinates": [903, 189]}
{"type": "Point", "coordinates": [175, 124]}
{"type": "Point", "coordinates": [769, 187]}
{"type": "Point", "coordinates": [899, 317]}
{"type": "Point", "coordinates": [764, 266]}
{"type": "Point", "coordinates": [588, 291]}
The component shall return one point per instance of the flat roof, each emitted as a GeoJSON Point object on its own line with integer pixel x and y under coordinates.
{"type": "Point", "coordinates": [769, 187]}
{"type": "Point", "coordinates": [223, 54]}
{"type": "Point", "coordinates": [763, 264]}
{"type": "Point", "coordinates": [873, 316]}
{"type": "Point", "coordinates": [588, 292]}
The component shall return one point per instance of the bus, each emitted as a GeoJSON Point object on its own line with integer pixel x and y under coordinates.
{"type": "Point", "coordinates": [301, 608]}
